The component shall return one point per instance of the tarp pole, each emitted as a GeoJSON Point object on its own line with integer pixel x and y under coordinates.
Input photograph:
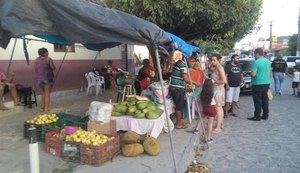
{"type": "Point", "coordinates": [67, 50]}
{"type": "Point", "coordinates": [11, 56]}
{"type": "Point", "coordinates": [196, 101]}
{"type": "Point", "coordinates": [93, 65]}
{"type": "Point", "coordinates": [165, 107]}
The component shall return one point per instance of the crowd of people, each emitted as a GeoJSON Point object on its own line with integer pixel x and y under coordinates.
{"type": "Point", "coordinates": [220, 87]}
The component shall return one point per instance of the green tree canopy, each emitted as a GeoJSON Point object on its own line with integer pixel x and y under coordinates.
{"type": "Point", "coordinates": [217, 23]}
{"type": "Point", "coordinates": [293, 45]}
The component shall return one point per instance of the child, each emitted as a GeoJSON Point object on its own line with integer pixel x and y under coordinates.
{"type": "Point", "coordinates": [208, 107]}
{"type": "Point", "coordinates": [296, 80]}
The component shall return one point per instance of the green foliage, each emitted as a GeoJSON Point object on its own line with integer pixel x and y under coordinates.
{"type": "Point", "coordinates": [217, 23]}
{"type": "Point", "coordinates": [293, 45]}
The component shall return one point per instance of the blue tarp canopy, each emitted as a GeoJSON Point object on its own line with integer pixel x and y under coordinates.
{"type": "Point", "coordinates": [67, 22]}
{"type": "Point", "coordinates": [186, 49]}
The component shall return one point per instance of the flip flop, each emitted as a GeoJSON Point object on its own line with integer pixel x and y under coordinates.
{"type": "Point", "coordinates": [183, 126]}
{"type": "Point", "coordinates": [234, 114]}
{"type": "Point", "coordinates": [19, 104]}
{"type": "Point", "coordinates": [217, 131]}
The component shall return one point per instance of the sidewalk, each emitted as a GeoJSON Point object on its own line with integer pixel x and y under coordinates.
{"type": "Point", "coordinates": [14, 149]}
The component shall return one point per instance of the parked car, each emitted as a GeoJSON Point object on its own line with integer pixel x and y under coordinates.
{"type": "Point", "coordinates": [291, 62]}
{"type": "Point", "coordinates": [246, 64]}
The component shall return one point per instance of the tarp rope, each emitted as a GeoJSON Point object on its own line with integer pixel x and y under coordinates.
{"type": "Point", "coordinates": [56, 76]}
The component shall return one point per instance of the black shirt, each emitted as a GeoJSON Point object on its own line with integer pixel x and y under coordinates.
{"type": "Point", "coordinates": [233, 74]}
{"type": "Point", "coordinates": [279, 65]}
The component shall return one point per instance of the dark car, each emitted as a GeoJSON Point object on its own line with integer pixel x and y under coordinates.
{"type": "Point", "coordinates": [246, 64]}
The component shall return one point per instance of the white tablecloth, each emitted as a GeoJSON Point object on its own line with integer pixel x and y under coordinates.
{"type": "Point", "coordinates": [143, 126]}
{"type": "Point", "coordinates": [140, 126]}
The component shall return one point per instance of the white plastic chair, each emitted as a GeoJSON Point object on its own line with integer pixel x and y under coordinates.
{"type": "Point", "coordinates": [94, 81]}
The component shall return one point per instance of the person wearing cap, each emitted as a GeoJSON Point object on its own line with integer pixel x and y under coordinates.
{"type": "Point", "coordinates": [179, 78]}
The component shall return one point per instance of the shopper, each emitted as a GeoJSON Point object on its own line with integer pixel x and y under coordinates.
{"type": "Point", "coordinates": [44, 68]}
{"type": "Point", "coordinates": [234, 76]}
{"type": "Point", "coordinates": [177, 87]}
{"type": "Point", "coordinates": [208, 107]}
{"type": "Point", "coordinates": [218, 75]}
{"type": "Point", "coordinates": [261, 79]}
{"type": "Point", "coordinates": [279, 69]}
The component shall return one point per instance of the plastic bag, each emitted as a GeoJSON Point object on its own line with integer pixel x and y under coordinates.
{"type": "Point", "coordinates": [270, 95]}
{"type": "Point", "coordinates": [100, 111]}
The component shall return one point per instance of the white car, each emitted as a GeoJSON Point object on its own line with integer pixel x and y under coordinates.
{"type": "Point", "coordinates": [291, 60]}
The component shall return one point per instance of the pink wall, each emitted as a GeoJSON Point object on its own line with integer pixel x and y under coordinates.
{"type": "Point", "coordinates": [71, 75]}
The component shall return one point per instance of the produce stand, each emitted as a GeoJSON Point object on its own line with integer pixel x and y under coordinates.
{"type": "Point", "coordinates": [141, 126]}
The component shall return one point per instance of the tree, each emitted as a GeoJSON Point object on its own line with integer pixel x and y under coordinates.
{"type": "Point", "coordinates": [293, 45]}
{"type": "Point", "coordinates": [218, 23]}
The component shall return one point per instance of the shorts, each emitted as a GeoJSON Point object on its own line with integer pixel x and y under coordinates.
{"type": "Point", "coordinates": [45, 82]}
{"type": "Point", "coordinates": [6, 89]}
{"type": "Point", "coordinates": [178, 95]}
{"type": "Point", "coordinates": [295, 84]}
{"type": "Point", "coordinates": [233, 94]}
{"type": "Point", "coordinates": [210, 110]}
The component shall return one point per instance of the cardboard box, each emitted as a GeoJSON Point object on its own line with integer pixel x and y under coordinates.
{"type": "Point", "coordinates": [104, 128]}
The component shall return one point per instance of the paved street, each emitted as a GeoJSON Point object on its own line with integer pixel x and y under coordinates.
{"type": "Point", "coordinates": [259, 147]}
{"type": "Point", "coordinates": [243, 147]}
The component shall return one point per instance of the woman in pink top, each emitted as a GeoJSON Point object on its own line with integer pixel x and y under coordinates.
{"type": "Point", "coordinates": [44, 67]}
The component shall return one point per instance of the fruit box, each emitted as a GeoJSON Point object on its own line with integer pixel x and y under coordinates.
{"type": "Point", "coordinates": [103, 128]}
{"type": "Point", "coordinates": [70, 151]}
{"type": "Point", "coordinates": [97, 155]}
{"type": "Point", "coordinates": [73, 120]}
{"type": "Point", "coordinates": [38, 127]}
{"type": "Point", "coordinates": [53, 141]}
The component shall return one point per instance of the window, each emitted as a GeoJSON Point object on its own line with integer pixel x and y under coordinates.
{"type": "Point", "coordinates": [63, 48]}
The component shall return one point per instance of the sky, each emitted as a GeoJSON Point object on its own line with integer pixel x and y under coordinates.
{"type": "Point", "coordinates": [284, 16]}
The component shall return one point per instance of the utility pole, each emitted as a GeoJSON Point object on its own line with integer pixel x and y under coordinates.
{"type": "Point", "coordinates": [271, 37]}
{"type": "Point", "coordinates": [298, 40]}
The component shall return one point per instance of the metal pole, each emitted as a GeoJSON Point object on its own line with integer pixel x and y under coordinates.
{"type": "Point", "coordinates": [298, 39]}
{"type": "Point", "coordinates": [271, 37]}
{"type": "Point", "coordinates": [165, 107]}
{"type": "Point", "coordinates": [197, 105]}
{"type": "Point", "coordinates": [33, 151]}
{"type": "Point", "coordinates": [11, 56]}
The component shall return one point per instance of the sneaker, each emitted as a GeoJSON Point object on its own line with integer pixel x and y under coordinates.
{"type": "Point", "coordinates": [280, 93]}
{"type": "Point", "coordinates": [209, 141]}
{"type": "Point", "coordinates": [196, 132]}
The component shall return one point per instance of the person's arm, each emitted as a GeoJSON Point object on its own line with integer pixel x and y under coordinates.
{"type": "Point", "coordinates": [10, 78]}
{"type": "Point", "coordinates": [51, 64]}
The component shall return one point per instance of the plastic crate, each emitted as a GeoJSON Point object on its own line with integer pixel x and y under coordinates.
{"type": "Point", "coordinates": [47, 128]}
{"type": "Point", "coordinates": [39, 129]}
{"type": "Point", "coordinates": [97, 155]}
{"type": "Point", "coordinates": [73, 120]}
{"type": "Point", "coordinates": [53, 143]}
{"type": "Point", "coordinates": [70, 151]}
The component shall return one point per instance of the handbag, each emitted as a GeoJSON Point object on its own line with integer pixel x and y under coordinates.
{"type": "Point", "coordinates": [270, 95]}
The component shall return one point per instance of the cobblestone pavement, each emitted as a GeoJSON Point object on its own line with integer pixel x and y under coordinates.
{"type": "Point", "coordinates": [259, 147]}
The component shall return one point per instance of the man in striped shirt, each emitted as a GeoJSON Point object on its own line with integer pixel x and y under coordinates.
{"type": "Point", "coordinates": [177, 87]}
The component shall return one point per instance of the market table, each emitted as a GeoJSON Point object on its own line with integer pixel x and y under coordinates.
{"type": "Point", "coordinates": [152, 127]}
{"type": "Point", "coordinates": [113, 74]}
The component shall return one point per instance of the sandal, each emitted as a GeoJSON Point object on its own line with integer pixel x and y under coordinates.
{"type": "Point", "coordinates": [217, 130]}
{"type": "Point", "coordinates": [19, 104]}
{"type": "Point", "coordinates": [182, 126]}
